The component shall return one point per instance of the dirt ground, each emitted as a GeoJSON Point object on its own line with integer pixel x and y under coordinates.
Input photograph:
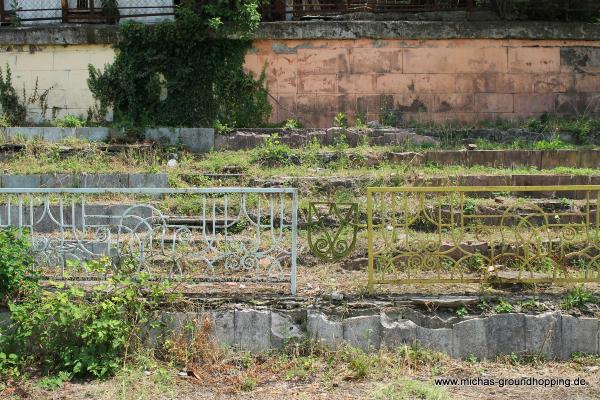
{"type": "Point", "coordinates": [269, 383]}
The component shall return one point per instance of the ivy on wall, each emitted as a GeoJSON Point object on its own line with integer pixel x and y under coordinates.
{"type": "Point", "coordinates": [185, 72]}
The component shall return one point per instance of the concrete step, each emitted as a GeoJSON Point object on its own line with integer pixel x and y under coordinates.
{"type": "Point", "coordinates": [112, 180]}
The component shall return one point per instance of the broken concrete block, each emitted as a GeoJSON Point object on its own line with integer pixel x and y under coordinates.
{"type": "Point", "coordinates": [363, 332]}
{"type": "Point", "coordinates": [223, 330]}
{"type": "Point", "coordinates": [21, 181]}
{"type": "Point", "coordinates": [542, 334]}
{"type": "Point", "coordinates": [284, 330]}
{"type": "Point", "coordinates": [579, 335]}
{"type": "Point", "coordinates": [397, 333]}
{"type": "Point", "coordinates": [435, 339]}
{"type": "Point", "coordinates": [252, 330]}
{"type": "Point", "coordinates": [470, 338]}
{"type": "Point", "coordinates": [323, 330]}
{"type": "Point", "coordinates": [505, 334]}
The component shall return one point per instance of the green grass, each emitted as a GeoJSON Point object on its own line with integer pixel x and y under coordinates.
{"type": "Point", "coordinates": [407, 389]}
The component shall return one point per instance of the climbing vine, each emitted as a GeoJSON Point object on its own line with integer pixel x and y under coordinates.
{"type": "Point", "coordinates": [185, 72]}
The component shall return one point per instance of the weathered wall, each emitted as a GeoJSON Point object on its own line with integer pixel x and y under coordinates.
{"type": "Point", "coordinates": [62, 68]}
{"type": "Point", "coordinates": [434, 71]}
{"type": "Point", "coordinates": [458, 79]}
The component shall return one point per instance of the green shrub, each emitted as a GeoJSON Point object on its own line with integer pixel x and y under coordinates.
{"type": "Point", "coordinates": [578, 298]}
{"type": "Point", "coordinates": [15, 264]}
{"type": "Point", "coordinates": [553, 144]}
{"type": "Point", "coordinates": [68, 121]}
{"type": "Point", "coordinates": [340, 120]}
{"type": "Point", "coordinates": [67, 331]}
{"type": "Point", "coordinates": [273, 153]}
{"type": "Point", "coordinates": [503, 307]}
{"type": "Point", "coordinates": [292, 124]}
{"type": "Point", "coordinates": [187, 71]}
{"type": "Point", "coordinates": [4, 121]}
{"type": "Point", "coordinates": [12, 107]}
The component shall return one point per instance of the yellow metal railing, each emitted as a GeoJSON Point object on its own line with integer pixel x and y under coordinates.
{"type": "Point", "coordinates": [425, 235]}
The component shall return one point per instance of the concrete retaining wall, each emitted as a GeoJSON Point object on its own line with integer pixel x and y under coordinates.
{"type": "Point", "coordinates": [137, 180]}
{"type": "Point", "coordinates": [250, 138]}
{"type": "Point", "coordinates": [197, 140]}
{"type": "Point", "coordinates": [552, 334]}
{"type": "Point", "coordinates": [424, 70]}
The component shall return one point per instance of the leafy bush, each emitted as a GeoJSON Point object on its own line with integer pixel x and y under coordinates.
{"type": "Point", "coordinates": [83, 335]}
{"type": "Point", "coordinates": [186, 72]}
{"type": "Point", "coordinates": [11, 105]}
{"type": "Point", "coordinates": [4, 121]}
{"type": "Point", "coordinates": [68, 121]}
{"type": "Point", "coordinates": [273, 153]}
{"type": "Point", "coordinates": [292, 124]}
{"type": "Point", "coordinates": [15, 263]}
{"type": "Point", "coordinates": [578, 298]}
{"type": "Point", "coordinates": [340, 120]}
{"type": "Point", "coordinates": [503, 307]}
{"type": "Point", "coordinates": [553, 144]}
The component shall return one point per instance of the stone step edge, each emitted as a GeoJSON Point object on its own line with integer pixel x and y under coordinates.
{"type": "Point", "coordinates": [112, 180]}
{"type": "Point", "coordinates": [551, 333]}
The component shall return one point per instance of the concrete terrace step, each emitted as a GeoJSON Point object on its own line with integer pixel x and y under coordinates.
{"type": "Point", "coordinates": [540, 159]}
{"type": "Point", "coordinates": [358, 184]}
{"type": "Point", "coordinates": [117, 180]}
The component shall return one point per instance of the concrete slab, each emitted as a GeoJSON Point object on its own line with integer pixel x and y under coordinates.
{"type": "Point", "coordinates": [397, 333]}
{"type": "Point", "coordinates": [470, 338]}
{"type": "Point", "coordinates": [321, 329]}
{"type": "Point", "coordinates": [505, 334]}
{"type": "Point", "coordinates": [435, 339]}
{"type": "Point", "coordinates": [363, 332]}
{"type": "Point", "coordinates": [579, 335]}
{"type": "Point", "coordinates": [284, 330]}
{"type": "Point", "coordinates": [252, 330]}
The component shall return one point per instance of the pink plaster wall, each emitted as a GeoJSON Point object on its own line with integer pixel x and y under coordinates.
{"type": "Point", "coordinates": [438, 80]}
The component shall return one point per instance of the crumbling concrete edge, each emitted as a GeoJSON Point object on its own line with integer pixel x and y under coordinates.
{"type": "Point", "coordinates": [77, 34]}
{"type": "Point", "coordinates": [552, 334]}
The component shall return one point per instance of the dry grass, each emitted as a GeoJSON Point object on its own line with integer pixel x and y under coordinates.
{"type": "Point", "coordinates": [308, 370]}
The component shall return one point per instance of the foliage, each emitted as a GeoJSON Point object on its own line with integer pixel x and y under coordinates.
{"type": "Point", "coordinates": [361, 121]}
{"type": "Point", "coordinates": [68, 121]}
{"type": "Point", "coordinates": [404, 389]}
{"type": "Point", "coordinates": [186, 72]}
{"type": "Point", "coordinates": [273, 152]}
{"type": "Point", "coordinates": [462, 311]}
{"type": "Point", "coordinates": [12, 106]}
{"type": "Point", "coordinates": [4, 121]}
{"type": "Point", "coordinates": [54, 382]}
{"type": "Point", "coordinates": [67, 331]}
{"type": "Point", "coordinates": [15, 263]}
{"type": "Point", "coordinates": [221, 128]}
{"type": "Point", "coordinates": [340, 120]}
{"type": "Point", "coordinates": [553, 144]}
{"type": "Point", "coordinates": [388, 118]}
{"type": "Point", "coordinates": [579, 297]}
{"type": "Point", "coordinates": [503, 307]}
{"type": "Point", "coordinates": [292, 124]}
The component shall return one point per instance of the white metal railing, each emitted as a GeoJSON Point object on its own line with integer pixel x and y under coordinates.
{"type": "Point", "coordinates": [207, 234]}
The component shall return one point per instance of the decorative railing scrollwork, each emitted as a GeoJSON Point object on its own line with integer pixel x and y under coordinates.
{"type": "Point", "coordinates": [240, 234]}
{"type": "Point", "coordinates": [424, 235]}
{"type": "Point", "coordinates": [332, 229]}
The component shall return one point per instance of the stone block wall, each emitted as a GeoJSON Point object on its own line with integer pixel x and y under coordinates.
{"type": "Point", "coordinates": [434, 80]}
{"type": "Point", "coordinates": [62, 69]}
{"type": "Point", "coordinates": [436, 71]}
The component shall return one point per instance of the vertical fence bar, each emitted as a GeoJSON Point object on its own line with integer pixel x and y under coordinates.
{"type": "Point", "coordinates": [371, 283]}
{"type": "Point", "coordinates": [294, 251]}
